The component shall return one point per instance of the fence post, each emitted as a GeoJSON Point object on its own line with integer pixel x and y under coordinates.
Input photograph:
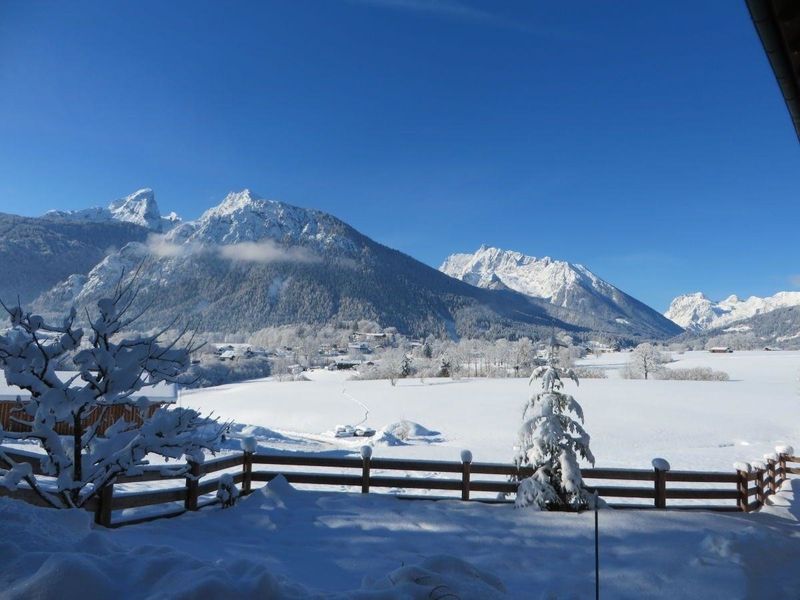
{"type": "Point", "coordinates": [660, 467]}
{"type": "Point", "coordinates": [366, 455]}
{"type": "Point", "coordinates": [466, 462]}
{"type": "Point", "coordinates": [248, 448]}
{"type": "Point", "coordinates": [742, 484]}
{"type": "Point", "coordinates": [760, 468]}
{"type": "Point", "coordinates": [102, 515]}
{"type": "Point", "coordinates": [192, 483]}
{"type": "Point", "coordinates": [772, 472]}
{"type": "Point", "coordinates": [784, 452]}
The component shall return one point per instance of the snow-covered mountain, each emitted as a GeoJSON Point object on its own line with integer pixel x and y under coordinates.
{"type": "Point", "coordinates": [560, 282]}
{"type": "Point", "coordinates": [250, 263]}
{"type": "Point", "coordinates": [567, 285]}
{"type": "Point", "coordinates": [37, 253]}
{"type": "Point", "coordinates": [244, 217]}
{"type": "Point", "coordinates": [696, 312]}
{"type": "Point", "coordinates": [139, 208]}
{"type": "Point", "coordinates": [242, 232]}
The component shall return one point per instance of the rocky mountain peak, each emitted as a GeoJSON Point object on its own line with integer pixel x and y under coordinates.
{"type": "Point", "coordinates": [139, 208]}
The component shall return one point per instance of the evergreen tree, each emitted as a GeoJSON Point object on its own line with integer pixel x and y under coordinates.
{"type": "Point", "coordinates": [444, 367]}
{"type": "Point", "coordinates": [550, 440]}
{"type": "Point", "coordinates": [426, 350]}
{"type": "Point", "coordinates": [406, 368]}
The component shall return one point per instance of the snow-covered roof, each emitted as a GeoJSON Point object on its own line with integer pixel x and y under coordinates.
{"type": "Point", "coordinates": [161, 392]}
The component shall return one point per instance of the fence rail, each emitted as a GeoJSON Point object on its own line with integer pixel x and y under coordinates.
{"type": "Point", "coordinates": [748, 487]}
{"type": "Point", "coordinates": [13, 416]}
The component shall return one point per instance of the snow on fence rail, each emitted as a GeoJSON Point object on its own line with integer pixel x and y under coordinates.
{"type": "Point", "coordinates": [195, 489]}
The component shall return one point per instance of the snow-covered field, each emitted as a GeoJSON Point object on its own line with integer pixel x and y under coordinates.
{"type": "Point", "coordinates": [694, 425]}
{"type": "Point", "coordinates": [286, 543]}
{"type": "Point", "coordinates": [282, 543]}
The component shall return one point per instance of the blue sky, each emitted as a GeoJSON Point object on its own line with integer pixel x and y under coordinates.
{"type": "Point", "coordinates": [646, 140]}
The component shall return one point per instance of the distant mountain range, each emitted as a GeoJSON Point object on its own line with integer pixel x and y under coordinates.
{"type": "Point", "coordinates": [563, 284]}
{"type": "Point", "coordinates": [754, 323]}
{"type": "Point", "coordinates": [250, 263]}
{"type": "Point", "coordinates": [695, 312]}
{"type": "Point", "coordinates": [777, 329]}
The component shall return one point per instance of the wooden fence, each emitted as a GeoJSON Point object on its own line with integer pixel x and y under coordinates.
{"type": "Point", "coordinates": [14, 418]}
{"type": "Point", "coordinates": [195, 483]}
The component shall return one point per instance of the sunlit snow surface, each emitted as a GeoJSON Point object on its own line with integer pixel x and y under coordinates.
{"type": "Point", "coordinates": [288, 543]}
{"type": "Point", "coordinates": [694, 425]}
{"type": "Point", "coordinates": [283, 543]}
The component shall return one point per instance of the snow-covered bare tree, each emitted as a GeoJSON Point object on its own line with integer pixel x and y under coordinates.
{"type": "Point", "coordinates": [550, 441]}
{"type": "Point", "coordinates": [646, 360]}
{"type": "Point", "coordinates": [525, 355]}
{"type": "Point", "coordinates": [110, 369]}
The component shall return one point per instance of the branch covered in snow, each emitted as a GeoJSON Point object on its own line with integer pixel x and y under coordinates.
{"type": "Point", "coordinates": [110, 370]}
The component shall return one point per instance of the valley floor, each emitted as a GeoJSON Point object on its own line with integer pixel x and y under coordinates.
{"type": "Point", "coordinates": [693, 424]}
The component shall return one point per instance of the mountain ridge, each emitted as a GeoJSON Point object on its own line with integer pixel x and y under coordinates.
{"type": "Point", "coordinates": [567, 285]}
{"type": "Point", "coordinates": [139, 208]}
{"type": "Point", "coordinates": [250, 262]}
{"type": "Point", "coordinates": [697, 312]}
{"type": "Point", "coordinates": [37, 253]}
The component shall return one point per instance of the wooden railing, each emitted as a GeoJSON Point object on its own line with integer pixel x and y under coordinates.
{"type": "Point", "coordinates": [14, 418]}
{"type": "Point", "coordinates": [744, 490]}
{"type": "Point", "coordinates": [767, 476]}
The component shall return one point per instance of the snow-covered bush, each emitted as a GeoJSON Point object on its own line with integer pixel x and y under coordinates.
{"type": "Point", "coordinates": [550, 441]}
{"type": "Point", "coordinates": [408, 430]}
{"type": "Point", "coordinates": [589, 373]}
{"type": "Point", "coordinates": [211, 371]}
{"type": "Point", "coordinates": [110, 370]}
{"type": "Point", "coordinates": [227, 492]}
{"type": "Point", "coordinates": [693, 374]}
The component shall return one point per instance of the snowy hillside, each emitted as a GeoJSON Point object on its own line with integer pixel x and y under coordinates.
{"type": "Point", "coordinates": [696, 312]}
{"type": "Point", "coordinates": [561, 283]}
{"type": "Point", "coordinates": [37, 253]}
{"type": "Point", "coordinates": [139, 208]}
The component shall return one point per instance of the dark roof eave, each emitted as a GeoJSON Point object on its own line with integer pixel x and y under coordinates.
{"type": "Point", "coordinates": [768, 27]}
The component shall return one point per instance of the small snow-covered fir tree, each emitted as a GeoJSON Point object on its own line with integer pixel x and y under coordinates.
{"type": "Point", "coordinates": [108, 370]}
{"type": "Point", "coordinates": [550, 441]}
